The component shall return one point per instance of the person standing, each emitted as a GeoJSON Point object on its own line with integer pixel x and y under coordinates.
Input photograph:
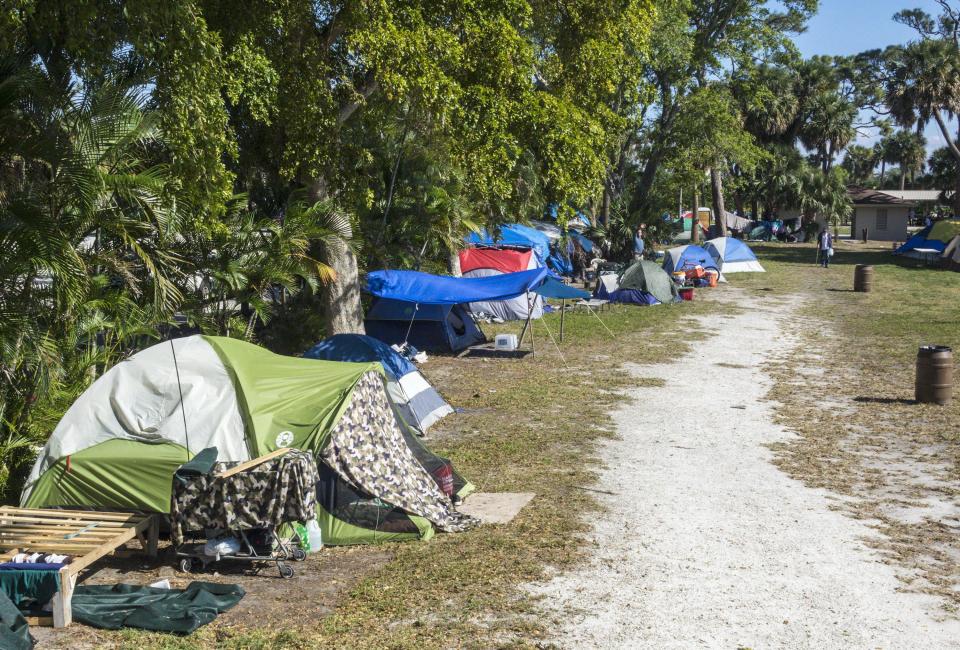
{"type": "Point", "coordinates": [825, 246]}
{"type": "Point", "coordinates": [639, 244]}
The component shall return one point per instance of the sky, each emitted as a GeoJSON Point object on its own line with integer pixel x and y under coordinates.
{"type": "Point", "coordinates": [843, 27]}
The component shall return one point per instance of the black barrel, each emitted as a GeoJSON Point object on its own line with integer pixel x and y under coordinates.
{"type": "Point", "coordinates": [863, 278]}
{"type": "Point", "coordinates": [934, 374]}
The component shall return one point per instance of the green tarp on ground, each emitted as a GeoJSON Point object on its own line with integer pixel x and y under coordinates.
{"type": "Point", "coordinates": [29, 588]}
{"type": "Point", "coordinates": [14, 631]}
{"type": "Point", "coordinates": [182, 611]}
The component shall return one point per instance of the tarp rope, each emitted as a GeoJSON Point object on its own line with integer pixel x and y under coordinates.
{"type": "Point", "coordinates": [601, 321]}
{"type": "Point", "coordinates": [183, 412]}
{"type": "Point", "coordinates": [416, 308]}
{"type": "Point", "coordinates": [550, 334]}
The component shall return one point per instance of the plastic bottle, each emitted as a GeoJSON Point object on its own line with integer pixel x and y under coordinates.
{"type": "Point", "coordinates": [314, 536]}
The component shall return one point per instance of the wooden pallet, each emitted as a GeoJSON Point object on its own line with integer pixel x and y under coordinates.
{"type": "Point", "coordinates": [85, 535]}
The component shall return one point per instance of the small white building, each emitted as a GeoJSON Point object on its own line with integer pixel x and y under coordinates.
{"type": "Point", "coordinates": [884, 217]}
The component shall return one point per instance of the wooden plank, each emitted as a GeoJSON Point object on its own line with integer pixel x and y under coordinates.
{"type": "Point", "coordinates": [33, 540]}
{"type": "Point", "coordinates": [66, 549]}
{"type": "Point", "coordinates": [88, 536]}
{"type": "Point", "coordinates": [41, 621]}
{"type": "Point", "coordinates": [242, 467]}
{"type": "Point", "coordinates": [58, 532]}
{"type": "Point", "coordinates": [62, 601]}
{"type": "Point", "coordinates": [78, 523]}
{"type": "Point", "coordinates": [153, 535]}
{"type": "Point", "coordinates": [92, 556]}
{"type": "Point", "coordinates": [84, 515]}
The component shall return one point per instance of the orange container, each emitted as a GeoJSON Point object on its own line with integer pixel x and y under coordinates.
{"type": "Point", "coordinates": [712, 277]}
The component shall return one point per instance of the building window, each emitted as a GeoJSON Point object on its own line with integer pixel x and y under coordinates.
{"type": "Point", "coordinates": [881, 218]}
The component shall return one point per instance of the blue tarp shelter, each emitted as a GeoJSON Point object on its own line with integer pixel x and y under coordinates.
{"type": "Point", "coordinates": [428, 289]}
{"type": "Point", "coordinates": [427, 310]}
{"type": "Point", "coordinates": [419, 403]}
{"type": "Point", "coordinates": [515, 234]}
{"type": "Point", "coordinates": [436, 328]}
{"type": "Point", "coordinates": [553, 288]}
{"type": "Point", "coordinates": [931, 240]}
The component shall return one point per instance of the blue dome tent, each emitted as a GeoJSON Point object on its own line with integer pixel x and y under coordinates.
{"type": "Point", "coordinates": [688, 256]}
{"type": "Point", "coordinates": [418, 402]}
{"type": "Point", "coordinates": [733, 256]}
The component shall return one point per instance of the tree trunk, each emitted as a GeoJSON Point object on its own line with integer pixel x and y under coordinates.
{"type": "Point", "coordinates": [695, 222]}
{"type": "Point", "coordinates": [903, 177]}
{"type": "Point", "coordinates": [453, 261]}
{"type": "Point", "coordinates": [719, 211]}
{"type": "Point", "coordinates": [955, 152]}
{"type": "Point", "coordinates": [956, 195]}
{"type": "Point", "coordinates": [341, 296]}
{"type": "Point", "coordinates": [883, 172]}
{"type": "Point", "coordinates": [605, 205]}
{"type": "Point", "coordinates": [756, 209]}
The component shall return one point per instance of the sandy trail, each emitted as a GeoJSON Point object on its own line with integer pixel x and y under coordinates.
{"type": "Point", "coordinates": [707, 544]}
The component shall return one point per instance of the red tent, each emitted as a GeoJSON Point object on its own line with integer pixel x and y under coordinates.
{"type": "Point", "coordinates": [501, 259]}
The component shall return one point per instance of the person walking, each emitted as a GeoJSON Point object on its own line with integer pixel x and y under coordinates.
{"type": "Point", "coordinates": [825, 246]}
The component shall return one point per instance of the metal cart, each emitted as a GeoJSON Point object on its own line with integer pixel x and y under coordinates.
{"type": "Point", "coordinates": [250, 501]}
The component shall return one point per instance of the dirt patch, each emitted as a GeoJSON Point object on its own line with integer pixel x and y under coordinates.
{"type": "Point", "coordinates": [271, 602]}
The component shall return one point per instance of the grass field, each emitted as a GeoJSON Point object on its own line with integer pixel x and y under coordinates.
{"type": "Point", "coordinates": [532, 424]}
{"type": "Point", "coordinates": [848, 390]}
{"type": "Point", "coordinates": [529, 425]}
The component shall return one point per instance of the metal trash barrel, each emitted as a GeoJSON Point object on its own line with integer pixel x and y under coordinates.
{"type": "Point", "coordinates": [934, 374]}
{"type": "Point", "coordinates": [863, 278]}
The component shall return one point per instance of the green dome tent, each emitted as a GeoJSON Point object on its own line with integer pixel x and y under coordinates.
{"type": "Point", "coordinates": [650, 277]}
{"type": "Point", "coordinates": [119, 444]}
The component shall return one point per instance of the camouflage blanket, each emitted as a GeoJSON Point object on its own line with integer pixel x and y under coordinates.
{"type": "Point", "coordinates": [368, 451]}
{"type": "Point", "coordinates": [278, 491]}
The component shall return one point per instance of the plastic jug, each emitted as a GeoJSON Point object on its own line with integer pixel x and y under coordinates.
{"type": "Point", "coordinates": [314, 536]}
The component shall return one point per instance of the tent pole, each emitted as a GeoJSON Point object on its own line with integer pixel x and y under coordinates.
{"type": "Point", "coordinates": [563, 309]}
{"type": "Point", "coordinates": [526, 323]}
{"type": "Point", "coordinates": [416, 308]}
{"type": "Point", "coordinates": [533, 346]}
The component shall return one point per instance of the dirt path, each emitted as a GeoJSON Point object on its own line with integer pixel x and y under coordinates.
{"type": "Point", "coordinates": [707, 544]}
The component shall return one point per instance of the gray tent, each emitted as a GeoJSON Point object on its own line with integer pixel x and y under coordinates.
{"type": "Point", "coordinates": [650, 277]}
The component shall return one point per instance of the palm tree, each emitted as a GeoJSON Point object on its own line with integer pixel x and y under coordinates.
{"type": "Point", "coordinates": [825, 194]}
{"type": "Point", "coordinates": [828, 127]}
{"type": "Point", "coordinates": [235, 276]}
{"type": "Point", "coordinates": [84, 217]}
{"type": "Point", "coordinates": [923, 82]}
{"type": "Point", "coordinates": [859, 162]}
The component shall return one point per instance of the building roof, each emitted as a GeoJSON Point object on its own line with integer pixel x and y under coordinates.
{"type": "Point", "coordinates": [914, 195]}
{"type": "Point", "coordinates": [864, 196]}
